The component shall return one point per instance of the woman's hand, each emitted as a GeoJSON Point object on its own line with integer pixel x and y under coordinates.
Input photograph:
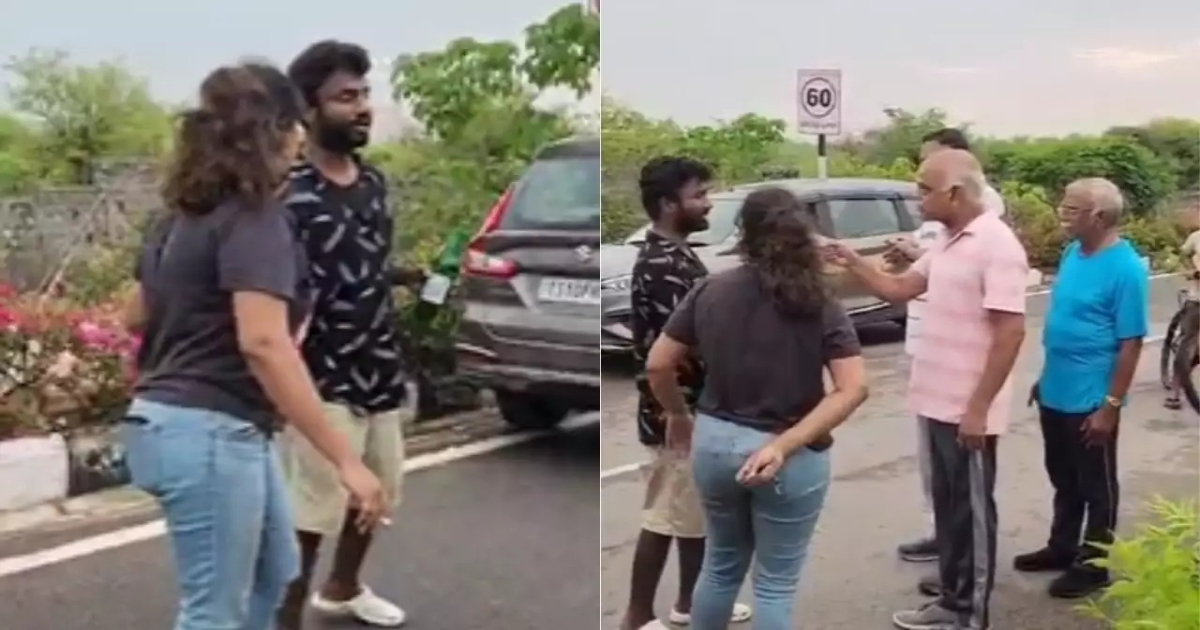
{"type": "Point", "coordinates": [762, 467]}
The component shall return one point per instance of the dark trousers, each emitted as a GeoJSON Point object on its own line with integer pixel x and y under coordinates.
{"type": "Point", "coordinates": [1085, 484]}
{"type": "Point", "coordinates": [964, 514]}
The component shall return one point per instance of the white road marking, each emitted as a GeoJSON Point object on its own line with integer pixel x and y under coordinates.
{"type": "Point", "coordinates": [621, 470]}
{"type": "Point", "coordinates": [14, 565]}
{"type": "Point", "coordinates": [1157, 276]}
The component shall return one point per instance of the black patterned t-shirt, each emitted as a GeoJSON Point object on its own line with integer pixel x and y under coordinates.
{"type": "Point", "coordinates": [353, 342]}
{"type": "Point", "coordinates": [663, 274]}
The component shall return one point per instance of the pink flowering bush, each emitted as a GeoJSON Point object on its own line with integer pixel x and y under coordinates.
{"type": "Point", "coordinates": [62, 367]}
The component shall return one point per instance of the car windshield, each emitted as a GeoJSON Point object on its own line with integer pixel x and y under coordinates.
{"type": "Point", "coordinates": [562, 192]}
{"type": "Point", "coordinates": [722, 222]}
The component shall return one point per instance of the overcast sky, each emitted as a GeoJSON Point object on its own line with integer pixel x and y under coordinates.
{"type": "Point", "coordinates": [174, 44]}
{"type": "Point", "coordinates": [1016, 67]}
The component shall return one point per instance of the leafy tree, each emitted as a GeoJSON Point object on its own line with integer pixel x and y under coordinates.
{"type": "Point", "coordinates": [899, 139]}
{"type": "Point", "coordinates": [455, 91]}
{"type": "Point", "coordinates": [18, 170]}
{"type": "Point", "coordinates": [478, 104]}
{"type": "Point", "coordinates": [1176, 140]}
{"type": "Point", "coordinates": [84, 113]}
{"type": "Point", "coordinates": [748, 148]}
{"type": "Point", "coordinates": [1145, 178]}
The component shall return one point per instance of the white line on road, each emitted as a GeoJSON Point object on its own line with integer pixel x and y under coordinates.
{"type": "Point", "coordinates": [14, 565]}
{"type": "Point", "coordinates": [1157, 276]}
{"type": "Point", "coordinates": [621, 470]}
{"type": "Point", "coordinates": [626, 469]}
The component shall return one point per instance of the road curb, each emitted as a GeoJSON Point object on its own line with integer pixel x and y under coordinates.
{"type": "Point", "coordinates": [123, 501]}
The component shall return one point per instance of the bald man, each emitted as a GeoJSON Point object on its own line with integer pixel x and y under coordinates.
{"type": "Point", "coordinates": [909, 250]}
{"type": "Point", "coordinates": [1098, 317]}
{"type": "Point", "coordinates": [974, 323]}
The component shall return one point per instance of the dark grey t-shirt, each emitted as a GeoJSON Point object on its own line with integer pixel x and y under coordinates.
{"type": "Point", "coordinates": [189, 269]}
{"type": "Point", "coordinates": [765, 369]}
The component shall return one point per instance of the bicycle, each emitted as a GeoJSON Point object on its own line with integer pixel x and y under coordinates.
{"type": "Point", "coordinates": [1181, 350]}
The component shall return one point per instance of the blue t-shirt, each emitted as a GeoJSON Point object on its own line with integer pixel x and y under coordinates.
{"type": "Point", "coordinates": [1097, 302]}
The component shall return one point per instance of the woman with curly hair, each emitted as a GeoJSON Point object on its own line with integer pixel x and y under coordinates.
{"type": "Point", "coordinates": [221, 297]}
{"type": "Point", "coordinates": [767, 330]}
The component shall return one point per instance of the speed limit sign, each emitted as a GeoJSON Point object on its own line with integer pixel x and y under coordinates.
{"type": "Point", "coordinates": [819, 101]}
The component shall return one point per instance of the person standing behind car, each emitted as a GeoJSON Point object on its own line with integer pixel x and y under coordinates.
{"type": "Point", "coordinates": [221, 293]}
{"type": "Point", "coordinates": [766, 330]}
{"type": "Point", "coordinates": [904, 251]}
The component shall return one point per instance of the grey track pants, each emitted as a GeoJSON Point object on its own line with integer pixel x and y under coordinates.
{"type": "Point", "coordinates": [924, 465]}
{"type": "Point", "coordinates": [962, 486]}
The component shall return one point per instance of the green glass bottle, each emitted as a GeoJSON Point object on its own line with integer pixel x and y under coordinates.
{"type": "Point", "coordinates": [445, 271]}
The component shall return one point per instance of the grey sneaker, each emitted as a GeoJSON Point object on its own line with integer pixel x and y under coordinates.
{"type": "Point", "coordinates": [930, 585]}
{"type": "Point", "coordinates": [931, 616]}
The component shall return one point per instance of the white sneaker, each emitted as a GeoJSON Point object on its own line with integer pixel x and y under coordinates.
{"type": "Point", "coordinates": [367, 607]}
{"type": "Point", "coordinates": [741, 614]}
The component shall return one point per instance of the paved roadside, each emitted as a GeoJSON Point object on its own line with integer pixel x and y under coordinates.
{"type": "Point", "coordinates": [505, 539]}
{"type": "Point", "coordinates": [853, 579]}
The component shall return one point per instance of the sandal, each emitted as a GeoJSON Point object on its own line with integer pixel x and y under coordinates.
{"type": "Point", "coordinates": [1173, 403]}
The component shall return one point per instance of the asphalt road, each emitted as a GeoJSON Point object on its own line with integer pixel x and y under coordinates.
{"type": "Point", "coordinates": [853, 578]}
{"type": "Point", "coordinates": [505, 540]}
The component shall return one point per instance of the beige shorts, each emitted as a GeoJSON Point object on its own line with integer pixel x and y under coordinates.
{"type": "Point", "coordinates": [319, 501]}
{"type": "Point", "coordinates": [672, 505]}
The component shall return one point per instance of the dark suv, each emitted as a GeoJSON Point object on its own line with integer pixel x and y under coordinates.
{"type": "Point", "coordinates": [530, 289]}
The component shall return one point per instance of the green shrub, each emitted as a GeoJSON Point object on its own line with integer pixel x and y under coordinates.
{"type": "Point", "coordinates": [1156, 584]}
{"type": "Point", "coordinates": [1036, 223]}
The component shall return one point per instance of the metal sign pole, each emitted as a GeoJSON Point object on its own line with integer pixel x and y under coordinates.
{"type": "Point", "coordinates": [822, 158]}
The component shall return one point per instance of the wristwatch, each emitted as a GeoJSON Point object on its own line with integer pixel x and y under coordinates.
{"type": "Point", "coordinates": [1112, 401]}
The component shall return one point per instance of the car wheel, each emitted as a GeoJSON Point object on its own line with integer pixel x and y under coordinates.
{"type": "Point", "coordinates": [530, 412]}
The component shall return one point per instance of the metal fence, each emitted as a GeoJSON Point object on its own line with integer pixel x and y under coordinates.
{"type": "Point", "coordinates": [43, 232]}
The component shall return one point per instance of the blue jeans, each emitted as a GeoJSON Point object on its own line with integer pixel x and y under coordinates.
{"type": "Point", "coordinates": [772, 523]}
{"type": "Point", "coordinates": [218, 481]}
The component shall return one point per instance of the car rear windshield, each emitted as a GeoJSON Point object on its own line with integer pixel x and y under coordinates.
{"type": "Point", "coordinates": [562, 192]}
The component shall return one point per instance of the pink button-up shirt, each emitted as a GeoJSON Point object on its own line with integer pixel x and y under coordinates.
{"type": "Point", "coordinates": [982, 268]}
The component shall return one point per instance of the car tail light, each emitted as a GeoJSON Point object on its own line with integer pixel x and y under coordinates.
{"type": "Point", "coordinates": [478, 262]}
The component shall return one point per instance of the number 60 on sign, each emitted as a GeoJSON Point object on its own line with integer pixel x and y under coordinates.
{"type": "Point", "coordinates": [819, 102]}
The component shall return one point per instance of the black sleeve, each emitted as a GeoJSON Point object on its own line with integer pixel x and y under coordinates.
{"type": "Point", "coordinates": [257, 252]}
{"type": "Point", "coordinates": [682, 324]}
{"type": "Point", "coordinates": [839, 339]}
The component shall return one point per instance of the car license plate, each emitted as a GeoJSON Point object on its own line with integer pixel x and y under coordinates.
{"type": "Point", "coordinates": [570, 291]}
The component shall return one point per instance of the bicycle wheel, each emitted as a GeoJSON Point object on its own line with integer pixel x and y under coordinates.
{"type": "Point", "coordinates": [1186, 361]}
{"type": "Point", "coordinates": [1166, 359]}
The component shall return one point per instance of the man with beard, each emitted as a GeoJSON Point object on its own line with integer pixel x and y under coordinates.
{"type": "Point", "coordinates": [1099, 314]}
{"type": "Point", "coordinates": [352, 347]}
{"type": "Point", "coordinates": [675, 195]}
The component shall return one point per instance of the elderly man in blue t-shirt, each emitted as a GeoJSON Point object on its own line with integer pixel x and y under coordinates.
{"type": "Point", "coordinates": [1097, 319]}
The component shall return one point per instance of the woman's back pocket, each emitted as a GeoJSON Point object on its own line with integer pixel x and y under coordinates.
{"type": "Point", "coordinates": [143, 445]}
